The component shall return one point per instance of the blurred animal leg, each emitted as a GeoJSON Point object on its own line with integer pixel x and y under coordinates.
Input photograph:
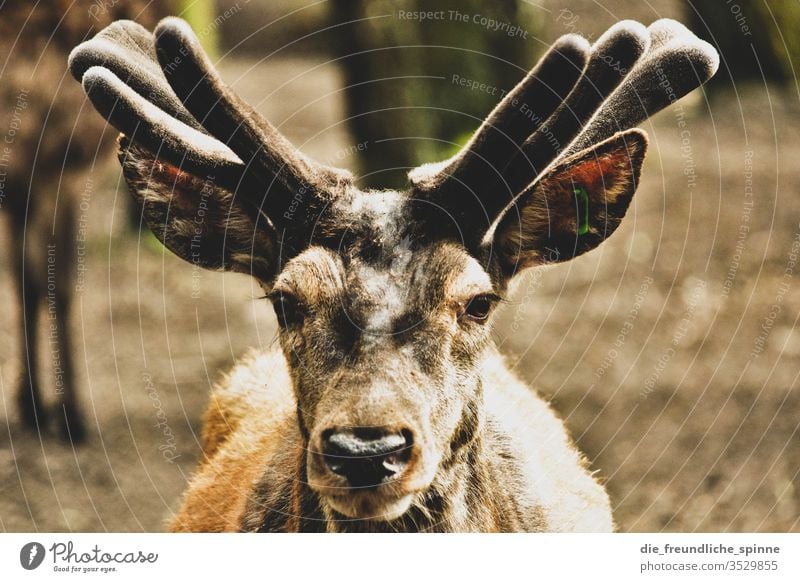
{"type": "Point", "coordinates": [29, 297]}
{"type": "Point", "coordinates": [60, 262]}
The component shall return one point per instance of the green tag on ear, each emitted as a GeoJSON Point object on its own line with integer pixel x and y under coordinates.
{"type": "Point", "coordinates": [582, 203]}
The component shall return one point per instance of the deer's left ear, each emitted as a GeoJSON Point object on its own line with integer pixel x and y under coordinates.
{"type": "Point", "coordinates": [195, 218]}
{"type": "Point", "coordinates": [574, 207]}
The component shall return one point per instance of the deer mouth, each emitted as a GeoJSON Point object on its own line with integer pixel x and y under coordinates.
{"type": "Point", "coordinates": [369, 471]}
{"type": "Point", "coordinates": [379, 489]}
{"type": "Point", "coordinates": [370, 504]}
{"type": "Point", "coordinates": [380, 501]}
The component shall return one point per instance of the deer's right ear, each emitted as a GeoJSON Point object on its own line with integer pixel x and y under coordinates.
{"type": "Point", "coordinates": [574, 206]}
{"type": "Point", "coordinates": [195, 218]}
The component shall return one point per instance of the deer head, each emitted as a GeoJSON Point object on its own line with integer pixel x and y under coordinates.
{"type": "Point", "coordinates": [385, 298]}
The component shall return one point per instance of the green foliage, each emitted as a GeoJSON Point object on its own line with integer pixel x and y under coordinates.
{"type": "Point", "coordinates": [785, 39]}
{"type": "Point", "coordinates": [458, 142]}
{"type": "Point", "coordinates": [756, 40]}
{"type": "Point", "coordinates": [200, 14]}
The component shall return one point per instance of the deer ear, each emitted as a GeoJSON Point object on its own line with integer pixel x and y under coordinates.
{"type": "Point", "coordinates": [574, 207]}
{"type": "Point", "coordinates": [195, 218]}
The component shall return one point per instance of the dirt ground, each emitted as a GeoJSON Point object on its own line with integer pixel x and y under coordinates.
{"type": "Point", "coordinates": [662, 349]}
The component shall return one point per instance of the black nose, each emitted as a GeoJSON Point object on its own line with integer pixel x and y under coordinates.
{"type": "Point", "coordinates": [366, 457]}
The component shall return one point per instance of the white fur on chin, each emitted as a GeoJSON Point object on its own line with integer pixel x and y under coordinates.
{"type": "Point", "coordinates": [370, 505]}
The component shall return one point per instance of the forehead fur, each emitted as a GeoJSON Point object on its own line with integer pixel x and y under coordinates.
{"type": "Point", "coordinates": [369, 260]}
{"type": "Point", "coordinates": [370, 224]}
{"type": "Point", "coordinates": [405, 283]}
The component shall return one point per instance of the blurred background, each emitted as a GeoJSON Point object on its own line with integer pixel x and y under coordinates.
{"type": "Point", "coordinates": [672, 351]}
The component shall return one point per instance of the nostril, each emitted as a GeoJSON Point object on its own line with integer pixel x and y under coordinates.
{"type": "Point", "coordinates": [366, 458]}
{"type": "Point", "coordinates": [402, 450]}
{"type": "Point", "coordinates": [326, 435]}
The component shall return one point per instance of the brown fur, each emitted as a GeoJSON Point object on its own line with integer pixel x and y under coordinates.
{"type": "Point", "coordinates": [251, 422]}
{"type": "Point", "coordinates": [194, 217]}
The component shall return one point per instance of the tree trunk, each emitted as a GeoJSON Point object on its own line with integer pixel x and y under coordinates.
{"type": "Point", "coordinates": [417, 87]}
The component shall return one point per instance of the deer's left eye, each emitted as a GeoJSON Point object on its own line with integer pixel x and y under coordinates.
{"type": "Point", "coordinates": [479, 307]}
{"type": "Point", "coordinates": [288, 310]}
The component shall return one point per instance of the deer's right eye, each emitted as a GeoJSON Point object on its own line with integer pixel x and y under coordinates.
{"type": "Point", "coordinates": [479, 307]}
{"type": "Point", "coordinates": [288, 310]}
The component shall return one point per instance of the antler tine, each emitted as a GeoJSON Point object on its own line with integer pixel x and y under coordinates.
{"type": "Point", "coordinates": [632, 72]}
{"type": "Point", "coordinates": [676, 63]}
{"type": "Point", "coordinates": [122, 78]}
{"type": "Point", "coordinates": [510, 123]}
{"type": "Point", "coordinates": [220, 111]}
{"type": "Point", "coordinates": [479, 200]}
{"type": "Point", "coordinates": [612, 57]}
{"type": "Point", "coordinates": [144, 99]}
{"type": "Point", "coordinates": [174, 141]}
{"type": "Point", "coordinates": [126, 49]}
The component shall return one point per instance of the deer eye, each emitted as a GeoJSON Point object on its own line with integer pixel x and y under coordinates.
{"type": "Point", "coordinates": [479, 307]}
{"type": "Point", "coordinates": [287, 309]}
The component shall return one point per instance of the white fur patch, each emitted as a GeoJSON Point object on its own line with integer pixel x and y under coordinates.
{"type": "Point", "coordinates": [314, 274]}
{"type": "Point", "coordinates": [470, 281]}
{"type": "Point", "coordinates": [381, 209]}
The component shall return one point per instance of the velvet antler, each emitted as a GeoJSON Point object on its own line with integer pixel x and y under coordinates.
{"type": "Point", "coordinates": [162, 92]}
{"type": "Point", "coordinates": [628, 74]}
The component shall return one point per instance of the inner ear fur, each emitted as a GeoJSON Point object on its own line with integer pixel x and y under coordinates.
{"type": "Point", "coordinates": [195, 218]}
{"type": "Point", "coordinates": [553, 221]}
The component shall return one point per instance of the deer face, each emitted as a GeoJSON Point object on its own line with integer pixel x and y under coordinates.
{"type": "Point", "coordinates": [384, 299]}
{"type": "Point", "coordinates": [383, 331]}
{"type": "Point", "coordinates": [385, 360]}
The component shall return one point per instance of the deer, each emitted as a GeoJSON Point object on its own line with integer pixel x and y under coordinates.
{"type": "Point", "coordinates": [50, 146]}
{"type": "Point", "coordinates": [385, 405]}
